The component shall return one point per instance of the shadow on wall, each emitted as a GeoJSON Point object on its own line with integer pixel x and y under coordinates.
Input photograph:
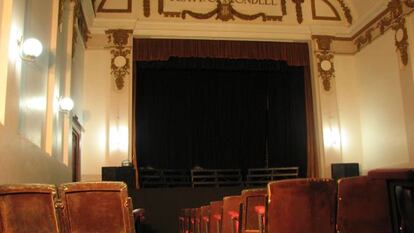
{"type": "Point", "coordinates": [23, 162]}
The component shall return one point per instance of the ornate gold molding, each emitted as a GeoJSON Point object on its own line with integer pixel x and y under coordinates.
{"type": "Point", "coordinates": [393, 17]}
{"type": "Point", "coordinates": [120, 45]}
{"type": "Point", "coordinates": [80, 20]}
{"type": "Point", "coordinates": [299, 14]}
{"type": "Point", "coordinates": [401, 39]}
{"type": "Point", "coordinates": [325, 58]}
{"type": "Point", "coordinates": [346, 10]}
{"type": "Point", "coordinates": [147, 8]}
{"type": "Point", "coordinates": [409, 3]}
{"type": "Point", "coordinates": [102, 9]}
{"type": "Point", "coordinates": [224, 11]}
{"type": "Point", "coordinates": [316, 17]}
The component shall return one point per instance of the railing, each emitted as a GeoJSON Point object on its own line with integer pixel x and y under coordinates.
{"type": "Point", "coordinates": [216, 177]}
{"type": "Point", "coordinates": [256, 177]}
{"type": "Point", "coordinates": [262, 176]}
{"type": "Point", "coordinates": [154, 178]}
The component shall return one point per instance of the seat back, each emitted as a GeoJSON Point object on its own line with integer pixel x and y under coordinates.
{"type": "Point", "coordinates": [205, 219]}
{"type": "Point", "coordinates": [28, 208]}
{"type": "Point", "coordinates": [363, 205]}
{"type": "Point", "coordinates": [230, 219]}
{"type": "Point", "coordinates": [198, 220]}
{"type": "Point", "coordinates": [302, 206]}
{"type": "Point", "coordinates": [254, 205]}
{"type": "Point", "coordinates": [400, 183]}
{"type": "Point", "coordinates": [96, 207]}
{"type": "Point", "coordinates": [216, 211]}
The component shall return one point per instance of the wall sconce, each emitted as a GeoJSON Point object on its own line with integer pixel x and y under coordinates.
{"type": "Point", "coordinates": [30, 49]}
{"type": "Point", "coordinates": [66, 104]}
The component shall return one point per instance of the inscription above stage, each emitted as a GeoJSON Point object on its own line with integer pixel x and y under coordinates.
{"type": "Point", "coordinates": [225, 10]}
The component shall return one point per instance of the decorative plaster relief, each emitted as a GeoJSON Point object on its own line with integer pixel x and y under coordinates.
{"type": "Point", "coordinates": [103, 9]}
{"type": "Point", "coordinates": [325, 58]}
{"type": "Point", "coordinates": [401, 39]}
{"type": "Point", "coordinates": [319, 17]}
{"type": "Point", "coordinates": [120, 46]}
{"type": "Point", "coordinates": [391, 18]}
{"type": "Point", "coordinates": [347, 11]}
{"type": "Point", "coordinates": [299, 14]}
{"type": "Point", "coordinates": [224, 11]}
{"type": "Point", "coordinates": [147, 8]}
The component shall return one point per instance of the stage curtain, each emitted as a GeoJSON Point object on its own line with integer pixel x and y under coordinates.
{"type": "Point", "coordinates": [295, 54]}
{"type": "Point", "coordinates": [219, 113]}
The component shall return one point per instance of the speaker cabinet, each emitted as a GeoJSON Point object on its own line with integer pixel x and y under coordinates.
{"type": "Point", "coordinates": [125, 174]}
{"type": "Point", "coordinates": [341, 170]}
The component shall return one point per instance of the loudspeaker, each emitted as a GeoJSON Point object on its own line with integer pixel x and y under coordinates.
{"type": "Point", "coordinates": [125, 174]}
{"type": "Point", "coordinates": [341, 170]}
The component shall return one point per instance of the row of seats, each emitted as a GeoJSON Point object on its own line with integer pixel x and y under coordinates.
{"type": "Point", "coordinates": [100, 207]}
{"type": "Point", "coordinates": [360, 204]}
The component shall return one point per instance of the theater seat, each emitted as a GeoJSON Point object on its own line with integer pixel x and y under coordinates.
{"type": "Point", "coordinates": [28, 208]}
{"type": "Point", "coordinates": [100, 207]}
{"type": "Point", "coordinates": [230, 219]}
{"type": "Point", "coordinates": [400, 183]}
{"type": "Point", "coordinates": [254, 205]}
{"type": "Point", "coordinates": [302, 206]}
{"type": "Point", "coordinates": [205, 219]}
{"type": "Point", "coordinates": [363, 206]}
{"type": "Point", "coordinates": [216, 210]}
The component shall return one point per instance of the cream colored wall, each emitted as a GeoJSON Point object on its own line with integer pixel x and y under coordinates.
{"type": "Point", "coordinates": [375, 96]}
{"type": "Point", "coordinates": [106, 113]}
{"type": "Point", "coordinates": [382, 111]}
{"type": "Point", "coordinates": [23, 162]}
{"type": "Point", "coordinates": [28, 97]}
{"type": "Point", "coordinates": [348, 95]}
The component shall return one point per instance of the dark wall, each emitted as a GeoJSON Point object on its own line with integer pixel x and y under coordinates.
{"type": "Point", "coordinates": [162, 205]}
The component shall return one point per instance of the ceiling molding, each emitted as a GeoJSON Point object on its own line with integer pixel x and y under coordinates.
{"type": "Point", "coordinates": [320, 17]}
{"type": "Point", "coordinates": [101, 8]}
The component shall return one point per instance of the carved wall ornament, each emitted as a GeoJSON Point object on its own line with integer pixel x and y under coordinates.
{"type": "Point", "coordinates": [323, 42]}
{"type": "Point", "coordinates": [121, 54]}
{"type": "Point", "coordinates": [346, 10]}
{"type": "Point", "coordinates": [61, 11]}
{"type": "Point", "coordinates": [147, 8]}
{"type": "Point", "coordinates": [224, 11]}
{"type": "Point", "coordinates": [409, 3]}
{"type": "Point", "coordinates": [401, 39]}
{"type": "Point", "coordinates": [102, 9]}
{"type": "Point", "coordinates": [325, 56]}
{"type": "Point", "coordinates": [299, 14]}
{"type": "Point", "coordinates": [80, 21]}
{"type": "Point", "coordinates": [326, 68]}
{"type": "Point", "coordinates": [316, 17]}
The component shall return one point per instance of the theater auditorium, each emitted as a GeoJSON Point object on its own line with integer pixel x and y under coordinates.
{"type": "Point", "coordinates": [207, 116]}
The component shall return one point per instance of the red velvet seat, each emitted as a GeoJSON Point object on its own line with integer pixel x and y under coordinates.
{"type": "Point", "coordinates": [302, 206]}
{"type": "Point", "coordinates": [100, 207]}
{"type": "Point", "coordinates": [230, 219]}
{"type": "Point", "coordinates": [363, 206]}
{"type": "Point", "coordinates": [28, 208]}
{"type": "Point", "coordinates": [193, 225]}
{"type": "Point", "coordinates": [254, 205]}
{"type": "Point", "coordinates": [205, 219]}
{"type": "Point", "coordinates": [216, 210]}
{"type": "Point", "coordinates": [185, 219]}
{"type": "Point", "coordinates": [400, 184]}
{"type": "Point", "coordinates": [197, 228]}
{"type": "Point", "coordinates": [392, 174]}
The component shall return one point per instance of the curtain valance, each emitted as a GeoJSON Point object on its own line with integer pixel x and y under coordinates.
{"type": "Point", "coordinates": [295, 54]}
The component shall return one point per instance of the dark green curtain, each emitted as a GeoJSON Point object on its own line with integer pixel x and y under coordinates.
{"type": "Point", "coordinates": [220, 113]}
